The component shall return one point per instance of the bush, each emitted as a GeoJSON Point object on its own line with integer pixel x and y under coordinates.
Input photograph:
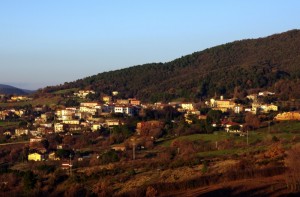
{"type": "Point", "coordinates": [150, 155]}
{"type": "Point", "coordinates": [29, 180]}
{"type": "Point", "coordinates": [275, 139]}
{"type": "Point", "coordinates": [109, 157]}
{"type": "Point", "coordinates": [46, 168]}
{"type": "Point", "coordinates": [204, 167]}
{"type": "Point", "coordinates": [131, 172]}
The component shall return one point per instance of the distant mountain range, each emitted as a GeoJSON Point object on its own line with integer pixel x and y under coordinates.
{"type": "Point", "coordinates": [238, 67]}
{"type": "Point", "coordinates": [7, 89]}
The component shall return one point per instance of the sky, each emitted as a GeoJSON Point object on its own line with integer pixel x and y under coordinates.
{"type": "Point", "coordinates": [50, 42]}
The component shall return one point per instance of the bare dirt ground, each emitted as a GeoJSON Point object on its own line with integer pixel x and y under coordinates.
{"type": "Point", "coordinates": [268, 186]}
{"type": "Point", "coordinates": [173, 175]}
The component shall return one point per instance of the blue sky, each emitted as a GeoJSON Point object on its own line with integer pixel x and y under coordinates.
{"type": "Point", "coordinates": [50, 42]}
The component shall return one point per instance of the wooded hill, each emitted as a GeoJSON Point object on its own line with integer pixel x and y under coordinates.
{"type": "Point", "coordinates": [266, 63]}
{"type": "Point", "coordinates": [6, 89]}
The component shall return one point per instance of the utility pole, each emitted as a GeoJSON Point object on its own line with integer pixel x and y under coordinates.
{"type": "Point", "coordinates": [70, 165]}
{"type": "Point", "coordinates": [110, 135]}
{"type": "Point", "coordinates": [247, 138]}
{"type": "Point", "coordinates": [133, 140]}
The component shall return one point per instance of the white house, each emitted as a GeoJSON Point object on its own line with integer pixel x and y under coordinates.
{"type": "Point", "coordinates": [265, 93]}
{"type": "Point", "coordinates": [84, 93]}
{"type": "Point", "coordinates": [124, 109]}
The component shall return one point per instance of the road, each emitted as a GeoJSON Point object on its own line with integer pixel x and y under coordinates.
{"type": "Point", "coordinates": [12, 143]}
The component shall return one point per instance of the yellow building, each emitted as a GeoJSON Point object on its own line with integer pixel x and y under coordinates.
{"type": "Point", "coordinates": [19, 98]}
{"type": "Point", "coordinates": [71, 121]}
{"type": "Point", "coordinates": [52, 156]}
{"type": "Point", "coordinates": [89, 104]}
{"type": "Point", "coordinates": [267, 108]}
{"type": "Point", "coordinates": [288, 116]}
{"type": "Point", "coordinates": [187, 106]}
{"type": "Point", "coordinates": [222, 104]}
{"type": "Point", "coordinates": [84, 93]}
{"type": "Point", "coordinates": [58, 127]}
{"type": "Point", "coordinates": [35, 157]}
{"type": "Point", "coordinates": [106, 99]}
{"type": "Point", "coordinates": [96, 127]}
{"type": "Point", "coordinates": [229, 104]}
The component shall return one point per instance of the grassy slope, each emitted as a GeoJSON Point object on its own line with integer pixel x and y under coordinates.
{"type": "Point", "coordinates": [282, 131]}
{"type": "Point", "coordinates": [8, 124]}
{"type": "Point", "coordinates": [66, 91]}
{"type": "Point", "coordinates": [39, 101]}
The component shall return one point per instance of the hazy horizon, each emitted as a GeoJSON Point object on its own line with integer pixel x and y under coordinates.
{"type": "Point", "coordinates": [49, 43]}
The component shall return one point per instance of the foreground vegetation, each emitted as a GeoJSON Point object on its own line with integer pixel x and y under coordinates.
{"type": "Point", "coordinates": [181, 163]}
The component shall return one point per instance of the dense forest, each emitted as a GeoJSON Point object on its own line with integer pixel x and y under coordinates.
{"type": "Point", "coordinates": [248, 65]}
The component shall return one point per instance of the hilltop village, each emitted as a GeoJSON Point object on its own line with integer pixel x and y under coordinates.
{"type": "Point", "coordinates": [115, 120]}
{"type": "Point", "coordinates": [74, 135]}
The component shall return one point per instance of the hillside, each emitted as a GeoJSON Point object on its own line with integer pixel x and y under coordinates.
{"type": "Point", "coordinates": [264, 63]}
{"type": "Point", "coordinates": [6, 89]}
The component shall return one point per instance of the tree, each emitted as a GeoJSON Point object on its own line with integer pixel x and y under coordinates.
{"type": "Point", "coordinates": [23, 124]}
{"type": "Point", "coordinates": [71, 103]}
{"type": "Point", "coordinates": [234, 127]}
{"type": "Point", "coordinates": [214, 116]}
{"type": "Point", "coordinates": [45, 143]}
{"type": "Point", "coordinates": [120, 133]}
{"type": "Point", "coordinates": [252, 121]}
{"type": "Point", "coordinates": [169, 113]}
{"type": "Point", "coordinates": [93, 97]}
{"type": "Point", "coordinates": [29, 180]}
{"type": "Point", "coordinates": [62, 153]}
{"type": "Point", "coordinates": [109, 157]}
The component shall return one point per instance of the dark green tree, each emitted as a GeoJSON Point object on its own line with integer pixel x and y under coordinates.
{"type": "Point", "coordinates": [29, 180]}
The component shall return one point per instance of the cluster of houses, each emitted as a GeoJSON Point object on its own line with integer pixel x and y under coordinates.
{"type": "Point", "coordinates": [92, 116]}
{"type": "Point", "coordinates": [4, 114]}
{"type": "Point", "coordinates": [257, 106]}
{"type": "Point", "coordinates": [83, 93]}
{"type": "Point", "coordinates": [19, 98]}
{"type": "Point", "coordinates": [39, 152]}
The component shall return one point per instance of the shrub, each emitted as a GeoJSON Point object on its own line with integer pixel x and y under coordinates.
{"type": "Point", "coordinates": [131, 172]}
{"type": "Point", "coordinates": [46, 168]}
{"type": "Point", "coordinates": [204, 167]}
{"type": "Point", "coordinates": [151, 192]}
{"type": "Point", "coordinates": [29, 180]}
{"type": "Point", "coordinates": [275, 139]}
{"type": "Point", "coordinates": [109, 157]}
